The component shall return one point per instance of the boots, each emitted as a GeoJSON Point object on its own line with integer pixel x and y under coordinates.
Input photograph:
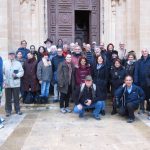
{"type": "Point", "coordinates": [114, 111]}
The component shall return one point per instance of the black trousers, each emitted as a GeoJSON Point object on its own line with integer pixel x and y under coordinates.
{"type": "Point", "coordinates": [9, 94]}
{"type": "Point", "coordinates": [129, 110]}
{"type": "Point", "coordinates": [64, 98]}
{"type": "Point", "coordinates": [146, 90]}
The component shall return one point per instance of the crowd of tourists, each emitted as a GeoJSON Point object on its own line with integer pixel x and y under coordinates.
{"type": "Point", "coordinates": [85, 75]}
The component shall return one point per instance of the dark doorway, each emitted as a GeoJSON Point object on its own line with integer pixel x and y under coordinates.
{"type": "Point", "coordinates": [82, 26]}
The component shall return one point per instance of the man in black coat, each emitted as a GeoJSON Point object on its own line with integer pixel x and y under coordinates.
{"type": "Point", "coordinates": [142, 77]}
{"type": "Point", "coordinates": [55, 62]}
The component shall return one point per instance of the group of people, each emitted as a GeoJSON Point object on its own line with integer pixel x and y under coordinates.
{"type": "Point", "coordinates": [85, 75]}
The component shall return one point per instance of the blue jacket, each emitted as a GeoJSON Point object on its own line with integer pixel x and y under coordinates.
{"type": "Point", "coordinates": [1, 72]}
{"type": "Point", "coordinates": [56, 61]}
{"type": "Point", "coordinates": [142, 72]}
{"type": "Point", "coordinates": [136, 96]}
{"type": "Point", "coordinates": [24, 52]}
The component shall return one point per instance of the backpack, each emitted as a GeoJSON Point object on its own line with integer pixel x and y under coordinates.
{"type": "Point", "coordinates": [29, 98]}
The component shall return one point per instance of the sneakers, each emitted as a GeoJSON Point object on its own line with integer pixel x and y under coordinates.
{"type": "Point", "coordinates": [1, 126]}
{"type": "Point", "coordinates": [103, 112]}
{"type": "Point", "coordinates": [130, 120]}
{"type": "Point", "coordinates": [148, 116]}
{"type": "Point", "coordinates": [97, 117]}
{"type": "Point", "coordinates": [141, 111]}
{"type": "Point", "coordinates": [8, 114]}
{"type": "Point", "coordinates": [63, 110]}
{"type": "Point", "coordinates": [81, 115]}
{"type": "Point", "coordinates": [68, 110]}
{"type": "Point", "coordinates": [19, 113]}
{"type": "Point", "coordinates": [2, 119]}
{"type": "Point", "coordinates": [114, 112]}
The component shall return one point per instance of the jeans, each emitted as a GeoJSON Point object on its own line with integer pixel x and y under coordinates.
{"type": "Point", "coordinates": [45, 88]}
{"type": "Point", "coordinates": [96, 112]}
{"type": "Point", "coordinates": [56, 97]}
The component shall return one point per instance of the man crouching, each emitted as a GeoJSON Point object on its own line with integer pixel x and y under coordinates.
{"type": "Point", "coordinates": [86, 98]}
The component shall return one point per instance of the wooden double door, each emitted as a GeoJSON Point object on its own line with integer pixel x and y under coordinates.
{"type": "Point", "coordinates": [74, 20]}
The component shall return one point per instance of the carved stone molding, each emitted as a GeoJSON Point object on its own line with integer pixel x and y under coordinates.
{"type": "Point", "coordinates": [114, 3]}
{"type": "Point", "coordinates": [32, 4]}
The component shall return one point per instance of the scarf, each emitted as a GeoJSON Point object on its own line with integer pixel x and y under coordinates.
{"type": "Point", "coordinates": [46, 62]}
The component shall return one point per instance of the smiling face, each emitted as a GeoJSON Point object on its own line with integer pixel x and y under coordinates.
{"type": "Point", "coordinates": [59, 52]}
{"type": "Point", "coordinates": [68, 58]}
{"type": "Point", "coordinates": [130, 57]}
{"type": "Point", "coordinates": [77, 49]}
{"type": "Point", "coordinates": [128, 81]}
{"type": "Point", "coordinates": [11, 56]}
{"type": "Point", "coordinates": [19, 55]}
{"type": "Point", "coordinates": [117, 64]}
{"type": "Point", "coordinates": [88, 83]}
{"type": "Point", "coordinates": [100, 60]}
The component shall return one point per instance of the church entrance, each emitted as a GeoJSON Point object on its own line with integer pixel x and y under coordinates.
{"type": "Point", "coordinates": [82, 26]}
{"type": "Point", "coordinates": [74, 20]}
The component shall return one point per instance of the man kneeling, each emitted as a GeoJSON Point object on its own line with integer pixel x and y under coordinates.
{"type": "Point", "coordinates": [128, 97]}
{"type": "Point", "coordinates": [86, 99]}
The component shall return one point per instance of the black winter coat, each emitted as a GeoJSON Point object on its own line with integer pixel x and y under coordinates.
{"type": "Point", "coordinates": [130, 68]}
{"type": "Point", "coordinates": [142, 72]}
{"type": "Point", "coordinates": [100, 77]}
{"type": "Point", "coordinates": [117, 77]}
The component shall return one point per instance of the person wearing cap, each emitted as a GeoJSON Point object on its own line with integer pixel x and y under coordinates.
{"type": "Point", "coordinates": [13, 71]}
{"type": "Point", "coordinates": [66, 83]}
{"type": "Point", "coordinates": [85, 98]}
{"type": "Point", "coordinates": [44, 75]}
{"type": "Point", "coordinates": [117, 75]}
{"type": "Point", "coordinates": [23, 49]}
{"type": "Point", "coordinates": [48, 43]}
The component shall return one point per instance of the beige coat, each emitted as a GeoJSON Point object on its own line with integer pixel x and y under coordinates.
{"type": "Point", "coordinates": [8, 70]}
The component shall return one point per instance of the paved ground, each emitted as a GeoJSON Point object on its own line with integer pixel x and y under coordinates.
{"type": "Point", "coordinates": [42, 128]}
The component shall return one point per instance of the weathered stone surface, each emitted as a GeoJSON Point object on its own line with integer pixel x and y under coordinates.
{"type": "Point", "coordinates": [48, 129]}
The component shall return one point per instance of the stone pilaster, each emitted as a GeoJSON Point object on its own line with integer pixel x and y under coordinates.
{"type": "Point", "coordinates": [3, 28]}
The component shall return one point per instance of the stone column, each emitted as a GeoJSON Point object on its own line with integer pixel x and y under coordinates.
{"type": "Point", "coordinates": [144, 24]}
{"type": "Point", "coordinates": [3, 28]}
{"type": "Point", "coordinates": [120, 22]}
{"type": "Point", "coordinates": [132, 25]}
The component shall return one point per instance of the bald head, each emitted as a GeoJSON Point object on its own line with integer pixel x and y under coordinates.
{"type": "Point", "coordinates": [145, 52]}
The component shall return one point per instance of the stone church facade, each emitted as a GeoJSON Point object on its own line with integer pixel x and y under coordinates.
{"type": "Point", "coordinates": [114, 21]}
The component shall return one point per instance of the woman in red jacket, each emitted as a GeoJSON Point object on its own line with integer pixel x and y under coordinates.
{"type": "Point", "coordinates": [82, 71]}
